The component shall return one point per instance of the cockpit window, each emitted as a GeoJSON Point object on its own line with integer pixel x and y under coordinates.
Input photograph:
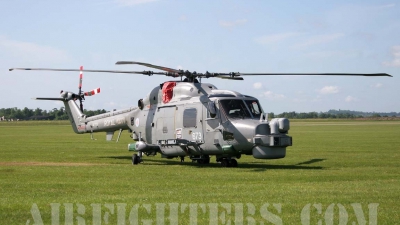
{"type": "Point", "coordinates": [235, 109]}
{"type": "Point", "coordinates": [254, 107]}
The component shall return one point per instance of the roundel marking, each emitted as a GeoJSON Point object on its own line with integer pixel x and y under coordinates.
{"type": "Point", "coordinates": [137, 122]}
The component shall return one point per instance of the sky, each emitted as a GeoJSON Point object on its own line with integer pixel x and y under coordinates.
{"type": "Point", "coordinates": [359, 36]}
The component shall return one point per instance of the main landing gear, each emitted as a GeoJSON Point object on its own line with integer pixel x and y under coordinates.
{"type": "Point", "coordinates": [205, 159]}
{"type": "Point", "coordinates": [202, 159]}
{"type": "Point", "coordinates": [226, 162]}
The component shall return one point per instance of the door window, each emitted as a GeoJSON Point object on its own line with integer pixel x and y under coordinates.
{"type": "Point", "coordinates": [189, 117]}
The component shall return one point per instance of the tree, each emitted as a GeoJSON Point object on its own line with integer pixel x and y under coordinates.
{"type": "Point", "coordinates": [37, 112]}
{"type": "Point", "coordinates": [271, 115]}
{"type": "Point", "coordinates": [27, 113]}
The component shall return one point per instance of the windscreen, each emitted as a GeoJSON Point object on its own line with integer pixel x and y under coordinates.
{"type": "Point", "coordinates": [254, 107]}
{"type": "Point", "coordinates": [235, 109]}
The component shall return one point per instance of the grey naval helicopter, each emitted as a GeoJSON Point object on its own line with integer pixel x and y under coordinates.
{"type": "Point", "coordinates": [187, 118]}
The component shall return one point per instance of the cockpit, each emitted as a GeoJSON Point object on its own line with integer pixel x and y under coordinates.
{"type": "Point", "coordinates": [241, 109]}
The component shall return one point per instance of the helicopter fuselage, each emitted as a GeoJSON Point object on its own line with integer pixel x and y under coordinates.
{"type": "Point", "coordinates": [195, 120]}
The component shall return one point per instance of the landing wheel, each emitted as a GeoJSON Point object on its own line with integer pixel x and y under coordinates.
{"type": "Point", "coordinates": [205, 159]}
{"type": "Point", "coordinates": [182, 158]}
{"type": "Point", "coordinates": [224, 162]}
{"type": "Point", "coordinates": [200, 161]}
{"type": "Point", "coordinates": [233, 163]}
{"type": "Point", "coordinates": [135, 159]}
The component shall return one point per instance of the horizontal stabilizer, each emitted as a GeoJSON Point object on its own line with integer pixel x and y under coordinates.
{"type": "Point", "coordinates": [52, 99]}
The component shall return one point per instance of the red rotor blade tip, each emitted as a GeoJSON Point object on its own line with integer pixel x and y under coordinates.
{"type": "Point", "coordinates": [92, 92]}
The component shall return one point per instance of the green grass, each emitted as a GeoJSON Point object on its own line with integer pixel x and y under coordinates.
{"type": "Point", "coordinates": [330, 162]}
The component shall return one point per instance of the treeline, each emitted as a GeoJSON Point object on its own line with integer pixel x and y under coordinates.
{"type": "Point", "coordinates": [332, 114]}
{"type": "Point", "coordinates": [364, 114]}
{"type": "Point", "coordinates": [61, 114]}
{"type": "Point", "coordinates": [39, 114]}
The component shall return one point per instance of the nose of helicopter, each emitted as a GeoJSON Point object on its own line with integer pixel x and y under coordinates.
{"type": "Point", "coordinates": [244, 132]}
{"type": "Point", "coordinates": [263, 140]}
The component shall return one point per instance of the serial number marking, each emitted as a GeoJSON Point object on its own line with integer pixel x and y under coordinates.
{"type": "Point", "coordinates": [196, 136]}
{"type": "Point", "coordinates": [114, 122]}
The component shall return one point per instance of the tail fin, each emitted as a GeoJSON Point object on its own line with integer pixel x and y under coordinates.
{"type": "Point", "coordinates": [76, 117]}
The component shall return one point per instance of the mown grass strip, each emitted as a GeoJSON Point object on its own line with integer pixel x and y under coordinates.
{"type": "Point", "coordinates": [333, 163]}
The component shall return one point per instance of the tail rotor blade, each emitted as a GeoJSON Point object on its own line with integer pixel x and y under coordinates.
{"type": "Point", "coordinates": [92, 92]}
{"type": "Point", "coordinates": [80, 87]}
{"type": "Point", "coordinates": [80, 79]}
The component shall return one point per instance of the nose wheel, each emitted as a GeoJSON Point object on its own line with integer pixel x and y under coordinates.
{"type": "Point", "coordinates": [136, 159]}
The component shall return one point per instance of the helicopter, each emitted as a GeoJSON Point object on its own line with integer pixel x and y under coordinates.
{"type": "Point", "coordinates": [188, 118]}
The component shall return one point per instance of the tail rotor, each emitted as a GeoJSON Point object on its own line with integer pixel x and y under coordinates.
{"type": "Point", "coordinates": [81, 94]}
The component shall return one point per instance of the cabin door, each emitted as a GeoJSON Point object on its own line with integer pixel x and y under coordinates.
{"type": "Point", "coordinates": [192, 124]}
{"type": "Point", "coordinates": [165, 124]}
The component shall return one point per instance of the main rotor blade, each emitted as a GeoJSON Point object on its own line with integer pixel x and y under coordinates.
{"type": "Point", "coordinates": [230, 78]}
{"type": "Point", "coordinates": [176, 73]}
{"type": "Point", "coordinates": [315, 74]}
{"type": "Point", "coordinates": [149, 65]}
{"type": "Point", "coordinates": [93, 71]}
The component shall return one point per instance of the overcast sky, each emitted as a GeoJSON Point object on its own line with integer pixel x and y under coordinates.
{"type": "Point", "coordinates": [216, 36]}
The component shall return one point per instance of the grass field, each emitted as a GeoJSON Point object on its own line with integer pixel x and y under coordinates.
{"type": "Point", "coordinates": [342, 165]}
